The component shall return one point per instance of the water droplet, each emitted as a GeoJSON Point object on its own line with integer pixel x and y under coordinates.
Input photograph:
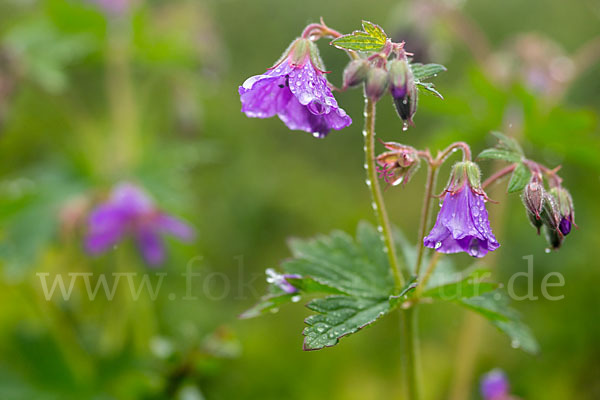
{"type": "Point", "coordinates": [474, 247]}
{"type": "Point", "coordinates": [515, 344]}
{"type": "Point", "coordinates": [296, 298]}
{"type": "Point", "coordinates": [368, 182]}
{"type": "Point", "coordinates": [298, 83]}
{"type": "Point", "coordinates": [341, 112]}
{"type": "Point", "coordinates": [404, 126]}
{"type": "Point", "coordinates": [385, 249]}
{"type": "Point", "coordinates": [364, 133]}
{"type": "Point", "coordinates": [366, 166]}
{"type": "Point", "coordinates": [316, 134]}
{"type": "Point", "coordinates": [374, 205]}
{"type": "Point", "coordinates": [475, 211]}
{"type": "Point", "coordinates": [438, 245]}
{"type": "Point", "coordinates": [380, 229]}
{"type": "Point", "coordinates": [547, 250]}
{"type": "Point", "coordinates": [275, 310]}
{"type": "Point", "coordinates": [320, 329]}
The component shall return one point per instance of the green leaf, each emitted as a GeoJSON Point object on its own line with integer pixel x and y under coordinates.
{"type": "Point", "coordinates": [508, 143]}
{"type": "Point", "coordinates": [500, 154]}
{"type": "Point", "coordinates": [339, 316]}
{"type": "Point", "coordinates": [373, 38]}
{"type": "Point", "coordinates": [421, 72]}
{"type": "Point", "coordinates": [519, 179]}
{"type": "Point", "coordinates": [354, 267]}
{"type": "Point", "coordinates": [268, 303]}
{"type": "Point", "coordinates": [429, 88]}
{"type": "Point", "coordinates": [494, 307]}
{"type": "Point", "coordinates": [467, 286]}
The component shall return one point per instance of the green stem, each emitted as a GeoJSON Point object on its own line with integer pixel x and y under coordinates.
{"type": "Point", "coordinates": [377, 197]}
{"type": "Point", "coordinates": [411, 354]}
{"type": "Point", "coordinates": [432, 173]}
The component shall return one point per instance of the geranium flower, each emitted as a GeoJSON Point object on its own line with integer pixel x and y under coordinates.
{"type": "Point", "coordinates": [129, 211]}
{"type": "Point", "coordinates": [296, 90]}
{"type": "Point", "coordinates": [494, 386]}
{"type": "Point", "coordinates": [462, 223]}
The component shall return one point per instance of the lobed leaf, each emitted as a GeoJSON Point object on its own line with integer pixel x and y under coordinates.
{"type": "Point", "coordinates": [339, 316]}
{"type": "Point", "coordinates": [421, 71]}
{"type": "Point", "coordinates": [494, 307]}
{"type": "Point", "coordinates": [507, 143]}
{"type": "Point", "coordinates": [373, 38]}
{"type": "Point", "coordinates": [466, 286]}
{"type": "Point", "coordinates": [500, 154]}
{"type": "Point", "coordinates": [519, 179]}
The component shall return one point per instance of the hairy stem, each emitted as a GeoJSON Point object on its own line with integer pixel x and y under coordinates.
{"type": "Point", "coordinates": [411, 354]}
{"type": "Point", "coordinates": [376, 196]}
{"type": "Point", "coordinates": [501, 173]}
{"type": "Point", "coordinates": [432, 173]}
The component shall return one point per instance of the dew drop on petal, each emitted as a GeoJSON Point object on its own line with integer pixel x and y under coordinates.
{"type": "Point", "coordinates": [316, 134]}
{"type": "Point", "coordinates": [438, 245]}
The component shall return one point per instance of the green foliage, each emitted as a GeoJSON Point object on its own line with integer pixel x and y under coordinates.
{"type": "Point", "coordinates": [494, 307]}
{"type": "Point", "coordinates": [371, 38]}
{"type": "Point", "coordinates": [519, 179]}
{"type": "Point", "coordinates": [422, 72]}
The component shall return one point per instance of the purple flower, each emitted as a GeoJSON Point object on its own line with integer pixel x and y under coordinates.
{"type": "Point", "coordinates": [130, 211]}
{"type": "Point", "coordinates": [494, 386]}
{"type": "Point", "coordinates": [462, 225]}
{"type": "Point", "coordinates": [113, 7]}
{"type": "Point", "coordinates": [280, 280]}
{"type": "Point", "coordinates": [296, 90]}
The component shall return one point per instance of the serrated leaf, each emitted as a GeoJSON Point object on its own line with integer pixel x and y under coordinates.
{"type": "Point", "coordinates": [494, 307]}
{"type": "Point", "coordinates": [421, 71]}
{"type": "Point", "coordinates": [429, 88]}
{"type": "Point", "coordinates": [507, 143]}
{"type": "Point", "coordinates": [519, 179]}
{"type": "Point", "coordinates": [339, 316]}
{"type": "Point", "coordinates": [466, 286]}
{"type": "Point", "coordinates": [355, 267]}
{"type": "Point", "coordinates": [500, 154]}
{"type": "Point", "coordinates": [374, 30]}
{"type": "Point", "coordinates": [373, 38]}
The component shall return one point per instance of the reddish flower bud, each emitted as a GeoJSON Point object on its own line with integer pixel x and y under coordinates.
{"type": "Point", "coordinates": [355, 73]}
{"type": "Point", "coordinates": [533, 199]}
{"type": "Point", "coordinates": [376, 84]}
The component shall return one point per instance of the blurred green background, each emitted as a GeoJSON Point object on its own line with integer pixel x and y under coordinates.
{"type": "Point", "coordinates": [93, 93]}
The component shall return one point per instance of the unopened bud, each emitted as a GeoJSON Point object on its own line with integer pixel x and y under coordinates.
{"type": "Point", "coordinates": [355, 73]}
{"type": "Point", "coordinates": [533, 199]}
{"type": "Point", "coordinates": [565, 208]}
{"type": "Point", "coordinates": [403, 89]}
{"type": "Point", "coordinates": [376, 84]}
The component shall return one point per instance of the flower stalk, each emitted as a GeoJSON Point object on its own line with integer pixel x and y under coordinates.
{"type": "Point", "coordinates": [376, 195]}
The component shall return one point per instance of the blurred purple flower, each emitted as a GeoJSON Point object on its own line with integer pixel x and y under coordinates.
{"type": "Point", "coordinates": [130, 211]}
{"type": "Point", "coordinates": [280, 280]}
{"type": "Point", "coordinates": [494, 386]}
{"type": "Point", "coordinates": [296, 90]}
{"type": "Point", "coordinates": [113, 7]}
{"type": "Point", "coordinates": [462, 225]}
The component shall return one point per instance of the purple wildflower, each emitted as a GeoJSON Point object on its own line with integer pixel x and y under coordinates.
{"type": "Point", "coordinates": [462, 223]}
{"type": "Point", "coordinates": [280, 280]}
{"type": "Point", "coordinates": [494, 386]}
{"type": "Point", "coordinates": [130, 211]}
{"type": "Point", "coordinates": [113, 7]}
{"type": "Point", "coordinates": [296, 90]}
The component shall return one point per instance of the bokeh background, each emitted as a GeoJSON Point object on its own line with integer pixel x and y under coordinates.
{"type": "Point", "coordinates": [97, 92]}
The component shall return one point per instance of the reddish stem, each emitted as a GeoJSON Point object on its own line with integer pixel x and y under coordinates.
{"type": "Point", "coordinates": [499, 174]}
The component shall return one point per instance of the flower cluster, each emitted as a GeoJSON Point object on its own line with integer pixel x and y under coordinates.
{"type": "Point", "coordinates": [129, 211]}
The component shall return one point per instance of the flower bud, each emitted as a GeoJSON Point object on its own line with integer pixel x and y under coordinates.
{"type": "Point", "coordinates": [402, 161]}
{"type": "Point", "coordinates": [376, 84]}
{"type": "Point", "coordinates": [565, 208]}
{"type": "Point", "coordinates": [550, 217]}
{"type": "Point", "coordinates": [355, 73]}
{"type": "Point", "coordinates": [403, 89]}
{"type": "Point", "coordinates": [533, 199]}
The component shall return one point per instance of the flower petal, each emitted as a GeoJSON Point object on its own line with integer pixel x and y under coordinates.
{"type": "Point", "coordinates": [106, 227]}
{"type": "Point", "coordinates": [175, 227]}
{"type": "Point", "coordinates": [151, 246]}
